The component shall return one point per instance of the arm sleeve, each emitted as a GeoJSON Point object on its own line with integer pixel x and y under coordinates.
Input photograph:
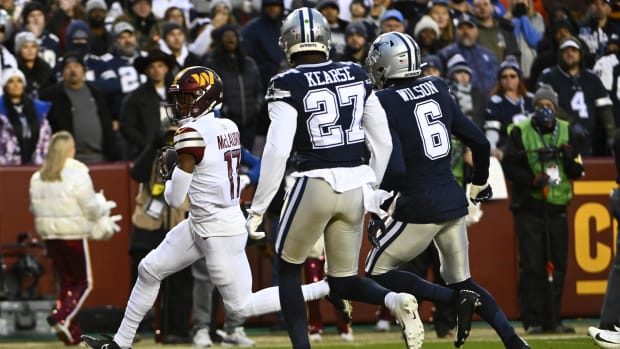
{"type": "Point", "coordinates": [278, 147]}
{"type": "Point", "coordinates": [177, 187]}
{"type": "Point", "coordinates": [378, 137]}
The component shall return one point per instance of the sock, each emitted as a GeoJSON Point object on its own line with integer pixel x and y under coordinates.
{"type": "Point", "coordinates": [404, 281]}
{"type": "Point", "coordinates": [357, 288]}
{"type": "Point", "coordinates": [141, 300]}
{"type": "Point", "coordinates": [489, 310]}
{"type": "Point", "coordinates": [293, 306]}
{"type": "Point", "coordinates": [267, 300]}
{"type": "Point", "coordinates": [390, 301]}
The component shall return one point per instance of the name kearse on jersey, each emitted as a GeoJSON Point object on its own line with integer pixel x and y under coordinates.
{"type": "Point", "coordinates": [228, 140]}
{"type": "Point", "coordinates": [419, 91]}
{"type": "Point", "coordinates": [319, 78]}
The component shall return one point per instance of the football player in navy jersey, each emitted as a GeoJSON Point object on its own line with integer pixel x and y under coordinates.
{"type": "Point", "coordinates": [324, 112]}
{"type": "Point", "coordinates": [431, 206]}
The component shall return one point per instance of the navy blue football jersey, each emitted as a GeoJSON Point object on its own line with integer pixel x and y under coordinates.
{"type": "Point", "coordinates": [329, 98]}
{"type": "Point", "coordinates": [422, 115]}
{"type": "Point", "coordinates": [501, 112]}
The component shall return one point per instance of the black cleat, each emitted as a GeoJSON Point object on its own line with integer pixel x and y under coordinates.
{"type": "Point", "coordinates": [344, 307]}
{"type": "Point", "coordinates": [516, 342]}
{"type": "Point", "coordinates": [104, 342]}
{"type": "Point", "coordinates": [466, 303]}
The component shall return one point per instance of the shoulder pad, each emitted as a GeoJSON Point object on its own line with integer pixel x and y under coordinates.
{"type": "Point", "coordinates": [189, 141]}
{"type": "Point", "coordinates": [496, 99]}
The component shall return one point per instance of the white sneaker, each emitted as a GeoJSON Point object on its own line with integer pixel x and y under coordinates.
{"type": "Point", "coordinates": [382, 326]}
{"type": "Point", "coordinates": [202, 338]}
{"type": "Point", "coordinates": [604, 338]}
{"type": "Point", "coordinates": [406, 313]}
{"type": "Point", "coordinates": [315, 337]}
{"type": "Point", "coordinates": [347, 336]}
{"type": "Point", "coordinates": [236, 339]}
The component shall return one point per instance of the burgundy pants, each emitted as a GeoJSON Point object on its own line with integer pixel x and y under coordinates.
{"type": "Point", "coordinates": [71, 259]}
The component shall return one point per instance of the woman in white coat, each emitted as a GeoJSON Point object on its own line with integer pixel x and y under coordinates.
{"type": "Point", "coordinates": [67, 213]}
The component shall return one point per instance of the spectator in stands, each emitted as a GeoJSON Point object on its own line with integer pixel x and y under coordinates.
{"type": "Point", "coordinates": [529, 27]}
{"type": "Point", "coordinates": [143, 110]}
{"type": "Point", "coordinates": [459, 7]}
{"type": "Point", "coordinates": [33, 19]}
{"type": "Point", "coordinates": [221, 14]}
{"type": "Point", "coordinates": [124, 51]}
{"type": "Point", "coordinates": [393, 21]}
{"type": "Point", "coordinates": [175, 14]}
{"type": "Point", "coordinates": [161, 7]}
{"type": "Point", "coordinates": [426, 34]}
{"type": "Point", "coordinates": [483, 62]}
{"type": "Point", "coordinates": [469, 99]}
{"type": "Point", "coordinates": [357, 44]}
{"type": "Point", "coordinates": [174, 42]}
{"type": "Point", "coordinates": [432, 66]}
{"type": "Point", "coordinates": [495, 33]}
{"type": "Point", "coordinates": [595, 28]}
{"type": "Point", "coordinates": [66, 11]}
{"type": "Point", "coordinates": [80, 108]}
{"type": "Point", "coordinates": [37, 72]}
{"type": "Point", "coordinates": [360, 13]}
{"type": "Point", "coordinates": [64, 182]}
{"type": "Point", "coordinates": [330, 9]}
{"type": "Point", "coordinates": [24, 130]}
{"type": "Point", "coordinates": [7, 59]}
{"type": "Point", "coordinates": [261, 36]}
{"type": "Point", "coordinates": [140, 15]}
{"type": "Point", "coordinates": [244, 95]}
{"type": "Point", "coordinates": [510, 103]}
{"type": "Point", "coordinates": [582, 95]}
{"type": "Point", "coordinates": [562, 25]}
{"type": "Point", "coordinates": [440, 13]}
{"type": "Point", "coordinates": [98, 70]}
{"type": "Point", "coordinates": [100, 40]}
{"type": "Point", "coordinates": [540, 160]}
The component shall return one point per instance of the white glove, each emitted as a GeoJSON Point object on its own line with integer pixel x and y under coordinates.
{"type": "Point", "coordinates": [105, 227]}
{"type": "Point", "coordinates": [251, 225]}
{"type": "Point", "coordinates": [105, 204]}
{"type": "Point", "coordinates": [244, 181]}
{"type": "Point", "coordinates": [374, 198]}
{"type": "Point", "coordinates": [474, 213]}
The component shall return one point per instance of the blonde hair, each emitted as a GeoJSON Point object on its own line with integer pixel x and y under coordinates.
{"type": "Point", "coordinates": [60, 149]}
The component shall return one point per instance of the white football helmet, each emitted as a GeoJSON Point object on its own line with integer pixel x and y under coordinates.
{"type": "Point", "coordinates": [393, 55]}
{"type": "Point", "coordinates": [305, 30]}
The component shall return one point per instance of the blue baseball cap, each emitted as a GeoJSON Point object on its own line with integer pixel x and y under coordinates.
{"type": "Point", "coordinates": [397, 15]}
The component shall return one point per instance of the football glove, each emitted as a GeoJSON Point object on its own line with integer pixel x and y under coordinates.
{"type": "Point", "coordinates": [167, 162]}
{"type": "Point", "coordinates": [375, 225]}
{"type": "Point", "coordinates": [480, 193]}
{"type": "Point", "coordinates": [252, 223]}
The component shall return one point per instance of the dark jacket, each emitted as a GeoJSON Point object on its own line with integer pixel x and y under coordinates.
{"type": "Point", "coordinates": [140, 117]}
{"type": "Point", "coordinates": [260, 40]}
{"type": "Point", "coordinates": [60, 115]}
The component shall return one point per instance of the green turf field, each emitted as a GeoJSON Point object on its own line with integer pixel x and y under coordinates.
{"type": "Point", "coordinates": [483, 337]}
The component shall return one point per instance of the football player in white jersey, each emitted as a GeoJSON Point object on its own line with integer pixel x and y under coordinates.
{"type": "Point", "coordinates": [208, 155]}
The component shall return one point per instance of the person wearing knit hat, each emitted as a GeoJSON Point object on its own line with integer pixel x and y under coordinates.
{"type": "Point", "coordinates": [510, 62]}
{"type": "Point", "coordinates": [24, 129]}
{"type": "Point", "coordinates": [174, 42]}
{"type": "Point", "coordinates": [23, 38]}
{"type": "Point", "coordinates": [33, 17]}
{"type": "Point", "coordinates": [357, 44]}
{"type": "Point", "coordinates": [38, 73]}
{"type": "Point", "coordinates": [545, 96]}
{"type": "Point", "coordinates": [431, 65]}
{"type": "Point", "coordinates": [468, 97]}
{"type": "Point", "coordinates": [101, 39]}
{"type": "Point", "coordinates": [457, 64]}
{"type": "Point", "coordinates": [330, 9]}
{"type": "Point", "coordinates": [426, 34]}
{"type": "Point", "coordinates": [582, 95]}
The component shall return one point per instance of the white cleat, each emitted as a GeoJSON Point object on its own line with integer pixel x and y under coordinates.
{"type": "Point", "coordinates": [236, 339]}
{"type": "Point", "coordinates": [605, 338]}
{"type": "Point", "coordinates": [202, 339]}
{"type": "Point", "coordinates": [406, 313]}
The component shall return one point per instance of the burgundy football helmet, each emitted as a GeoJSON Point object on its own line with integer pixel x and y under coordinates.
{"type": "Point", "coordinates": [196, 90]}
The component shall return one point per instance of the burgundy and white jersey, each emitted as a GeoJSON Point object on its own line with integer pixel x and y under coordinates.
{"type": "Point", "coordinates": [214, 190]}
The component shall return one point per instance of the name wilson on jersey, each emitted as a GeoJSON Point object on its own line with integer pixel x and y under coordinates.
{"type": "Point", "coordinates": [228, 140]}
{"type": "Point", "coordinates": [419, 91]}
{"type": "Point", "coordinates": [320, 78]}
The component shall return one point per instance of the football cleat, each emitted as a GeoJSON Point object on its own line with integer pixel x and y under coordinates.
{"type": "Point", "coordinates": [104, 342]}
{"type": "Point", "coordinates": [406, 313]}
{"type": "Point", "coordinates": [605, 338]}
{"type": "Point", "coordinates": [236, 339]}
{"type": "Point", "coordinates": [466, 303]}
{"type": "Point", "coordinates": [344, 307]}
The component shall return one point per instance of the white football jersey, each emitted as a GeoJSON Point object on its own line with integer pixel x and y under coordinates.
{"type": "Point", "coordinates": [214, 190]}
